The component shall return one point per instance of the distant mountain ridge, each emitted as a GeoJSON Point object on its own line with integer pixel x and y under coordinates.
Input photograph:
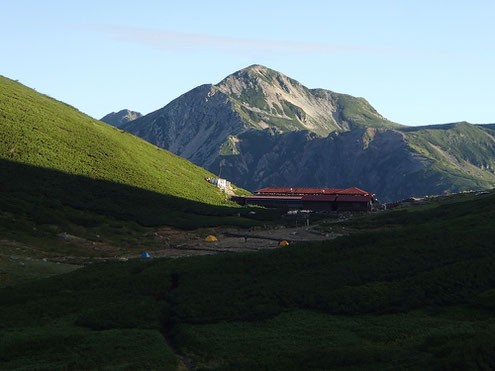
{"type": "Point", "coordinates": [120, 118]}
{"type": "Point", "coordinates": [261, 128]}
{"type": "Point", "coordinates": [382, 161]}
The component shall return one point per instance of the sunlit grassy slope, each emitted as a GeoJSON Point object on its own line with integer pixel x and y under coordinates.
{"type": "Point", "coordinates": [40, 131]}
{"type": "Point", "coordinates": [414, 291]}
{"type": "Point", "coordinates": [463, 154]}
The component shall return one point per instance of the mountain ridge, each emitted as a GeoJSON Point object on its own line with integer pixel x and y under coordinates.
{"type": "Point", "coordinates": [198, 123]}
{"type": "Point", "coordinates": [284, 100]}
{"type": "Point", "coordinates": [120, 118]}
{"type": "Point", "coordinates": [242, 126]}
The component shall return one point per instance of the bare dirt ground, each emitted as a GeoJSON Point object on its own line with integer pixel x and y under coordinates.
{"type": "Point", "coordinates": [180, 244]}
{"type": "Point", "coordinates": [162, 242]}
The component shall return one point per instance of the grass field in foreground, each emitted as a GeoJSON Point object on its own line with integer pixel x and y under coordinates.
{"type": "Point", "coordinates": [418, 293]}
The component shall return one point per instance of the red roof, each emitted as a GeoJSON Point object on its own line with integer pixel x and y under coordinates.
{"type": "Point", "coordinates": [316, 198]}
{"type": "Point", "coordinates": [353, 191]}
{"type": "Point", "coordinates": [312, 191]}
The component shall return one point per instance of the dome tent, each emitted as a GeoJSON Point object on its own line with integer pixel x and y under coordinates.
{"type": "Point", "coordinates": [145, 255]}
{"type": "Point", "coordinates": [211, 238]}
{"type": "Point", "coordinates": [283, 243]}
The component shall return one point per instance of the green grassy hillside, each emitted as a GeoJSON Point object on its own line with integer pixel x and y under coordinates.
{"type": "Point", "coordinates": [42, 132]}
{"type": "Point", "coordinates": [57, 164]}
{"type": "Point", "coordinates": [359, 113]}
{"type": "Point", "coordinates": [415, 290]}
{"type": "Point", "coordinates": [463, 154]}
{"type": "Point", "coordinates": [62, 172]}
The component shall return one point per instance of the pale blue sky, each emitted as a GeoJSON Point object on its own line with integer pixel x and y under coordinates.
{"type": "Point", "coordinates": [416, 62]}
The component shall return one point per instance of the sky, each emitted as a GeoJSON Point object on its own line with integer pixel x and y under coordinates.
{"type": "Point", "coordinates": [417, 62]}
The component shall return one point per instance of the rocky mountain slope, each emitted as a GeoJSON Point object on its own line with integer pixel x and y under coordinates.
{"type": "Point", "coordinates": [120, 118]}
{"type": "Point", "coordinates": [258, 128]}
{"type": "Point", "coordinates": [206, 120]}
{"type": "Point", "coordinates": [395, 164]}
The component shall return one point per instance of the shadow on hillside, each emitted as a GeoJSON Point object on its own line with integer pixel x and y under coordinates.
{"type": "Point", "coordinates": [30, 190]}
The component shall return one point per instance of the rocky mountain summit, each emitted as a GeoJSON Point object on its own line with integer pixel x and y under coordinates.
{"type": "Point", "coordinates": [268, 99]}
{"type": "Point", "coordinates": [205, 122]}
{"type": "Point", "coordinates": [258, 128]}
{"type": "Point", "coordinates": [120, 118]}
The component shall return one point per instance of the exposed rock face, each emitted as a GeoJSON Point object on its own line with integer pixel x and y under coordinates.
{"type": "Point", "coordinates": [193, 126]}
{"type": "Point", "coordinates": [262, 128]}
{"type": "Point", "coordinates": [302, 159]}
{"type": "Point", "coordinates": [205, 122]}
{"type": "Point", "coordinates": [120, 118]}
{"type": "Point", "coordinates": [269, 99]}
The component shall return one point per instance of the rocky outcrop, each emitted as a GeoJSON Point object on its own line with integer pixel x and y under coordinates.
{"type": "Point", "coordinates": [120, 118]}
{"type": "Point", "coordinates": [268, 99]}
{"type": "Point", "coordinates": [193, 126]}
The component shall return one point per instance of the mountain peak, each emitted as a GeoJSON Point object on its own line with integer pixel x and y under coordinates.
{"type": "Point", "coordinates": [266, 98]}
{"type": "Point", "coordinates": [262, 128]}
{"type": "Point", "coordinates": [120, 118]}
{"type": "Point", "coordinates": [255, 67]}
{"type": "Point", "coordinates": [257, 73]}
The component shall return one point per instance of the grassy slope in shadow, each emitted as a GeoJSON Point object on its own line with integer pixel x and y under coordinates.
{"type": "Point", "coordinates": [417, 294]}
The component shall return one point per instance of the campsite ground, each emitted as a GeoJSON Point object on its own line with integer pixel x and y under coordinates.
{"type": "Point", "coordinates": [179, 243]}
{"type": "Point", "coordinates": [22, 261]}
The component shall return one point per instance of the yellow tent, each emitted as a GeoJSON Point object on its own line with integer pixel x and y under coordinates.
{"type": "Point", "coordinates": [283, 243]}
{"type": "Point", "coordinates": [211, 238]}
